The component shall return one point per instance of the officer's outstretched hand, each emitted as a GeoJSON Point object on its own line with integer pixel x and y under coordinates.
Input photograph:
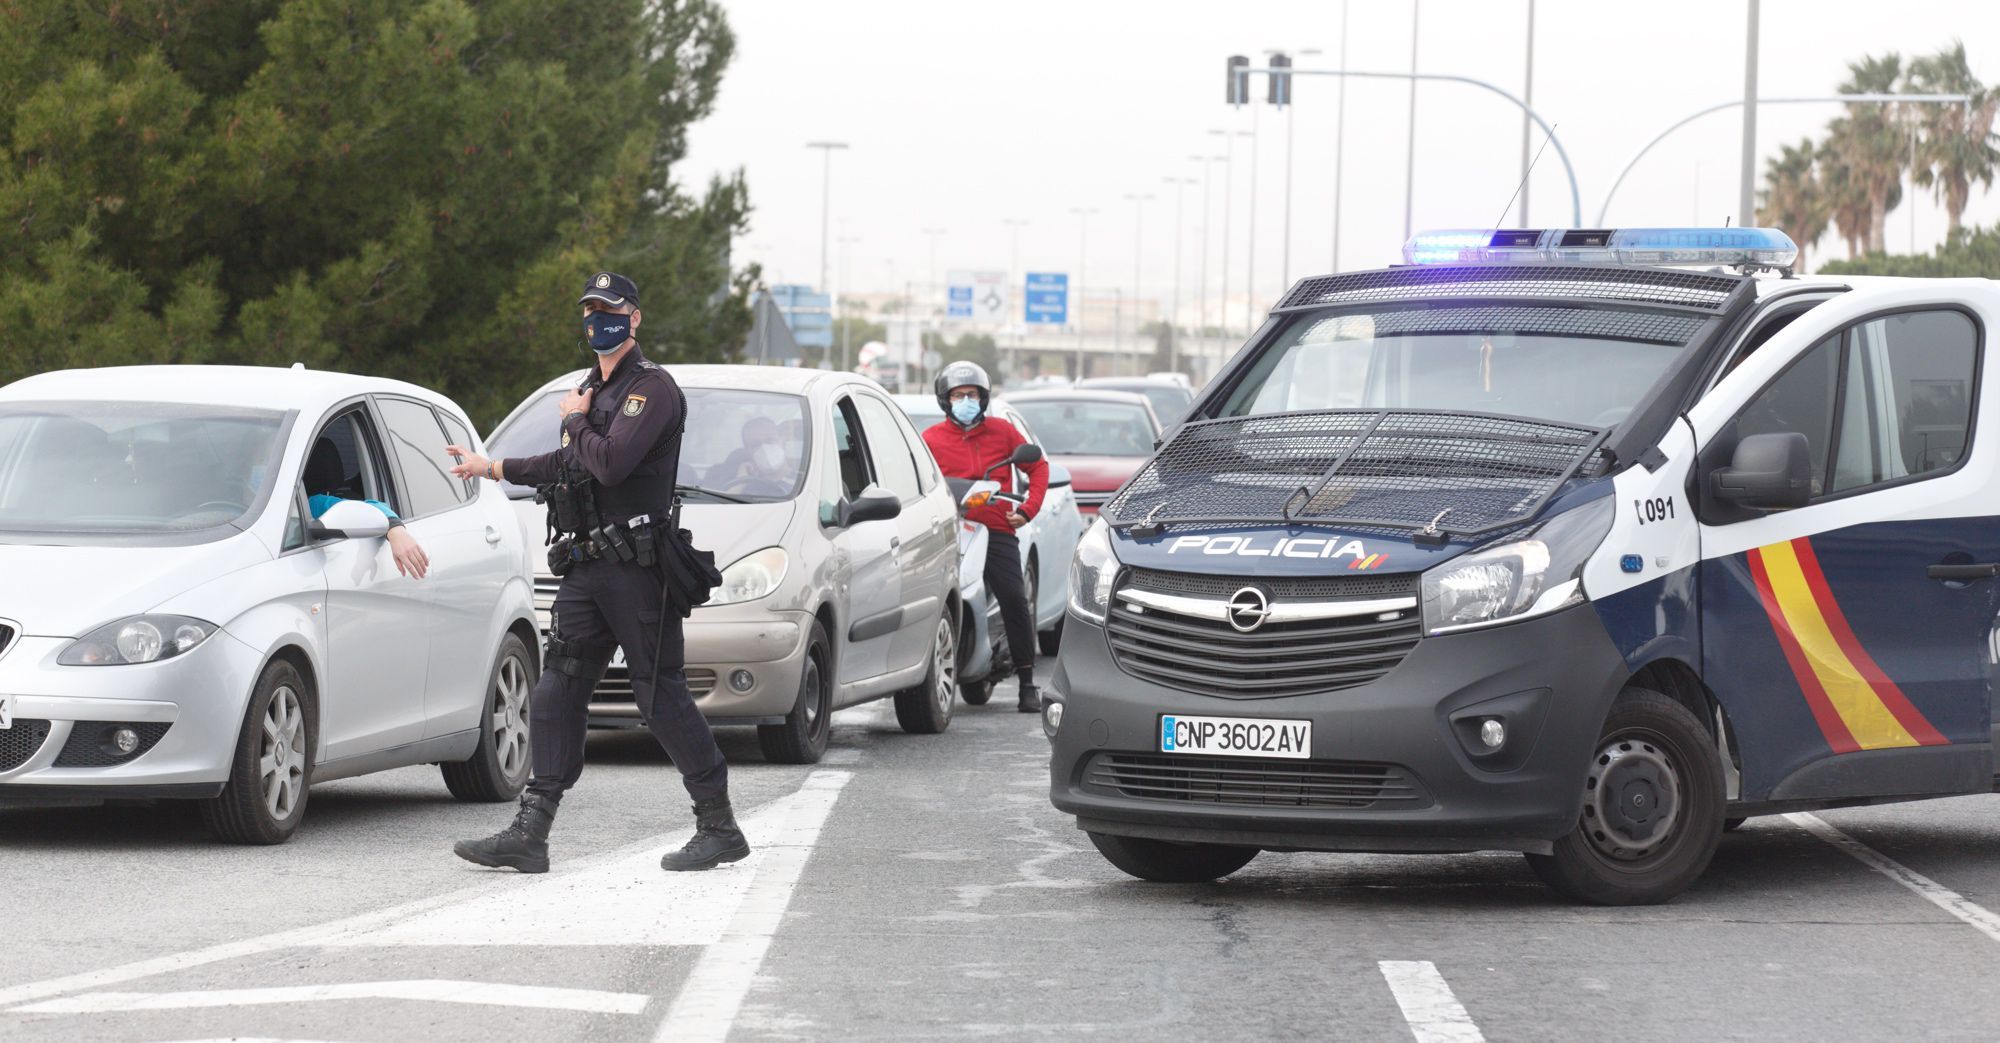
{"type": "Point", "coordinates": [469, 465]}
{"type": "Point", "coordinates": [411, 560]}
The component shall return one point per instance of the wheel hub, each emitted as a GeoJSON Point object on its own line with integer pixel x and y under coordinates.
{"type": "Point", "coordinates": [1631, 798]}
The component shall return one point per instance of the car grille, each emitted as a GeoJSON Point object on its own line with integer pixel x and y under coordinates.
{"type": "Point", "coordinates": [20, 742]}
{"type": "Point", "coordinates": [616, 687]}
{"type": "Point", "coordinates": [1277, 659]}
{"type": "Point", "coordinates": [545, 593]}
{"type": "Point", "coordinates": [1258, 782]}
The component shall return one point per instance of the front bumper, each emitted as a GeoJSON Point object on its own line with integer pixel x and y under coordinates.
{"type": "Point", "coordinates": [188, 708]}
{"type": "Point", "coordinates": [769, 645]}
{"type": "Point", "coordinates": [1552, 678]}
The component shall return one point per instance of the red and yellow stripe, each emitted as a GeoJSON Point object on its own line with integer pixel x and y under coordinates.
{"type": "Point", "coordinates": [1857, 706]}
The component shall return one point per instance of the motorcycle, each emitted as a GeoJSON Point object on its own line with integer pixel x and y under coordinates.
{"type": "Point", "coordinates": [984, 659]}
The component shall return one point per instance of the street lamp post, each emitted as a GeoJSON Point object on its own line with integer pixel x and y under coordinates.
{"type": "Point", "coordinates": [1082, 254]}
{"type": "Point", "coordinates": [826, 149]}
{"type": "Point", "coordinates": [1138, 202]}
{"type": "Point", "coordinates": [1228, 196]}
{"type": "Point", "coordinates": [1207, 178]}
{"type": "Point", "coordinates": [1410, 155]}
{"type": "Point", "coordinates": [1339, 136]}
{"type": "Point", "coordinates": [1527, 127]}
{"type": "Point", "coordinates": [1174, 309]}
{"type": "Point", "coordinates": [1250, 264]}
{"type": "Point", "coordinates": [1285, 261]}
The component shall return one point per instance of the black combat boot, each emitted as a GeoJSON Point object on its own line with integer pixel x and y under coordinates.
{"type": "Point", "coordinates": [523, 845]}
{"type": "Point", "coordinates": [716, 839]}
{"type": "Point", "coordinates": [1031, 698]}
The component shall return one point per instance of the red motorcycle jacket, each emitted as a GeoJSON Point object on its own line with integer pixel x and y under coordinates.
{"type": "Point", "coordinates": [967, 453]}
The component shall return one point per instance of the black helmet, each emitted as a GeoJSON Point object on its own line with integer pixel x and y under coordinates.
{"type": "Point", "coordinates": [963, 374]}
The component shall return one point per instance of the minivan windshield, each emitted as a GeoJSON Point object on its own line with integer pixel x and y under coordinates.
{"type": "Point", "coordinates": [749, 446]}
{"type": "Point", "coordinates": [132, 467]}
{"type": "Point", "coordinates": [1387, 360]}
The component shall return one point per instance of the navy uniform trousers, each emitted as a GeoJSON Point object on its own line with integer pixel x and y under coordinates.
{"type": "Point", "coordinates": [604, 605]}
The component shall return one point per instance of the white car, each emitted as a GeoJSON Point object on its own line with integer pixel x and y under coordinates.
{"type": "Point", "coordinates": [175, 623]}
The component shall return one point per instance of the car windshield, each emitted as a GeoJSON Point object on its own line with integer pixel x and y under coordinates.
{"type": "Point", "coordinates": [132, 467]}
{"type": "Point", "coordinates": [1382, 361]}
{"type": "Point", "coordinates": [1089, 427]}
{"type": "Point", "coordinates": [747, 445]}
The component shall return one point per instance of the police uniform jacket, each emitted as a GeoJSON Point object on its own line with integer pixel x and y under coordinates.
{"type": "Point", "coordinates": [629, 441]}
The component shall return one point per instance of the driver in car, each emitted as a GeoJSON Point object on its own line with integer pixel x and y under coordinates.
{"type": "Point", "coordinates": [325, 479]}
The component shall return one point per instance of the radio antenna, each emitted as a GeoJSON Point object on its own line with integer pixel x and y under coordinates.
{"type": "Point", "coordinates": [1524, 176]}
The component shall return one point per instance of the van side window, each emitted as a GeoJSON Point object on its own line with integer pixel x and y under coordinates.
{"type": "Point", "coordinates": [1907, 406]}
{"type": "Point", "coordinates": [1800, 400]}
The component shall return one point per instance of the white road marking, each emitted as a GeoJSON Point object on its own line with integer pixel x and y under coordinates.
{"type": "Point", "coordinates": [433, 991]}
{"type": "Point", "coordinates": [713, 994]}
{"type": "Point", "coordinates": [625, 902]}
{"type": "Point", "coordinates": [1428, 1005]}
{"type": "Point", "coordinates": [1930, 890]}
{"type": "Point", "coordinates": [330, 933]}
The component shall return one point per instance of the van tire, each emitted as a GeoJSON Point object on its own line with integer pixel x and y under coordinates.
{"type": "Point", "coordinates": [242, 812]}
{"type": "Point", "coordinates": [499, 768]}
{"type": "Point", "coordinates": [801, 739]}
{"type": "Point", "coordinates": [1651, 749]}
{"type": "Point", "coordinates": [1167, 862]}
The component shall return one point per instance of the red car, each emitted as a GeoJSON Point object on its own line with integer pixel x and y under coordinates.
{"type": "Point", "coordinates": [1100, 436]}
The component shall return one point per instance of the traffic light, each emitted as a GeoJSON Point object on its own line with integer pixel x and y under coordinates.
{"type": "Point", "coordinates": [1239, 80]}
{"type": "Point", "coordinates": [1281, 81]}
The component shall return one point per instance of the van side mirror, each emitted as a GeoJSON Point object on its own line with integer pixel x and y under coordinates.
{"type": "Point", "coordinates": [874, 504]}
{"type": "Point", "coordinates": [349, 519]}
{"type": "Point", "coordinates": [1767, 472]}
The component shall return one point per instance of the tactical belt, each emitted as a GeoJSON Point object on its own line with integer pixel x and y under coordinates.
{"type": "Point", "coordinates": [636, 542]}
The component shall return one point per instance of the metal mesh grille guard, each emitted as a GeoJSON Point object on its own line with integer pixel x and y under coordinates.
{"type": "Point", "coordinates": [1704, 291]}
{"type": "Point", "coordinates": [1464, 474]}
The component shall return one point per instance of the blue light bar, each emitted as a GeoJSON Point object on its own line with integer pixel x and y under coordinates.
{"type": "Point", "coordinates": [1727, 247]}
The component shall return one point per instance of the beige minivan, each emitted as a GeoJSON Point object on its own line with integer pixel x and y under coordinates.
{"type": "Point", "coordinates": [836, 539]}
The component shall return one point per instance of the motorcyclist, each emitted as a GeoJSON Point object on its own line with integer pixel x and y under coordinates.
{"type": "Point", "coordinates": [966, 443]}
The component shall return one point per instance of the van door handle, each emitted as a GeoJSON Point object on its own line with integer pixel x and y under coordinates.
{"type": "Point", "coordinates": [1979, 570]}
{"type": "Point", "coordinates": [492, 535]}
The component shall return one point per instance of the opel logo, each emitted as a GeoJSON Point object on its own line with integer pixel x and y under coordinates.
{"type": "Point", "coordinates": [1247, 609]}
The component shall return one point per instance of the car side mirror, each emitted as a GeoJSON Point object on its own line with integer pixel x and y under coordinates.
{"type": "Point", "coordinates": [874, 504]}
{"type": "Point", "coordinates": [1767, 472]}
{"type": "Point", "coordinates": [349, 519]}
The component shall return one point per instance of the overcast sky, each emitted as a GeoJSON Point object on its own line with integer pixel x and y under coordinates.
{"type": "Point", "coordinates": [963, 114]}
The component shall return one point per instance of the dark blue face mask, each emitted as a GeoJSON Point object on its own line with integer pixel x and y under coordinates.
{"type": "Point", "coordinates": [607, 330]}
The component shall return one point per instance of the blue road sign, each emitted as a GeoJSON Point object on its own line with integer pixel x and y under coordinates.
{"type": "Point", "coordinates": [1047, 298]}
{"type": "Point", "coordinates": [960, 305]}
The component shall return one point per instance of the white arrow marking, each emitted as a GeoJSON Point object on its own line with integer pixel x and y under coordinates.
{"type": "Point", "coordinates": [433, 991]}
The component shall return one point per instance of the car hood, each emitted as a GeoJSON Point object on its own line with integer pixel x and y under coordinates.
{"type": "Point", "coordinates": [730, 530]}
{"type": "Point", "coordinates": [1099, 473]}
{"type": "Point", "coordinates": [65, 591]}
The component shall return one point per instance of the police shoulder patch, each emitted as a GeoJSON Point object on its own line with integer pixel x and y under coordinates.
{"type": "Point", "coordinates": [634, 404]}
{"type": "Point", "coordinates": [565, 441]}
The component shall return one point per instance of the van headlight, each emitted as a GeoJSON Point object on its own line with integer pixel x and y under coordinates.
{"type": "Point", "coordinates": [1091, 572]}
{"type": "Point", "coordinates": [138, 639]}
{"type": "Point", "coordinates": [1519, 579]}
{"type": "Point", "coordinates": [753, 576]}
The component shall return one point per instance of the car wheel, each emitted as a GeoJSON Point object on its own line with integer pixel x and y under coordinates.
{"type": "Point", "coordinates": [498, 769]}
{"type": "Point", "coordinates": [976, 693]}
{"type": "Point", "coordinates": [1050, 640]}
{"type": "Point", "coordinates": [264, 799]}
{"type": "Point", "coordinates": [1166, 862]}
{"type": "Point", "coordinates": [926, 709]}
{"type": "Point", "coordinates": [802, 738]}
{"type": "Point", "coordinates": [1652, 808]}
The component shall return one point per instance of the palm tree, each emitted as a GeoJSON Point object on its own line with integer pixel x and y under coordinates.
{"type": "Point", "coordinates": [1869, 146]}
{"type": "Point", "coordinates": [1792, 199]}
{"type": "Point", "coordinates": [1956, 148]}
{"type": "Point", "coordinates": [1842, 195]}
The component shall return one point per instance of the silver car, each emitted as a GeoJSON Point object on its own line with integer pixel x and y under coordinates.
{"type": "Point", "coordinates": [197, 607]}
{"type": "Point", "coordinates": [835, 535]}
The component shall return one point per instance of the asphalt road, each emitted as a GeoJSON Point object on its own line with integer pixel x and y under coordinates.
{"type": "Point", "coordinates": [922, 887]}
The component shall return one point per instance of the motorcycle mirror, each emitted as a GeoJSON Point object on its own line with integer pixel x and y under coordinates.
{"type": "Point", "coordinates": [1026, 453]}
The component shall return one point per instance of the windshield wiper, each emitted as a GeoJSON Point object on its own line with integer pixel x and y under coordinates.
{"type": "Point", "coordinates": [711, 493]}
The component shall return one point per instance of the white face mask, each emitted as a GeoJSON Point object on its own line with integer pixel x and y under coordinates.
{"type": "Point", "coordinates": [768, 457]}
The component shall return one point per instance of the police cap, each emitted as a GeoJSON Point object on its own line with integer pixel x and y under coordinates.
{"type": "Point", "coordinates": [611, 288]}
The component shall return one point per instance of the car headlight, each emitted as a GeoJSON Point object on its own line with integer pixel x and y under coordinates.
{"type": "Point", "coordinates": [1091, 573]}
{"type": "Point", "coordinates": [753, 576]}
{"type": "Point", "coordinates": [138, 639]}
{"type": "Point", "coordinates": [1522, 578]}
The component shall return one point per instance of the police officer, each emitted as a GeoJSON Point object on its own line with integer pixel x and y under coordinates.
{"type": "Point", "coordinates": [620, 450]}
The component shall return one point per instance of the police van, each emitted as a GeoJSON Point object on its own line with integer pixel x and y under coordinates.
{"type": "Point", "coordinates": [1588, 544]}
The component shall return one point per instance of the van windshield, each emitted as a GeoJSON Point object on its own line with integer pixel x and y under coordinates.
{"type": "Point", "coordinates": [1527, 365]}
{"type": "Point", "coordinates": [132, 467]}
